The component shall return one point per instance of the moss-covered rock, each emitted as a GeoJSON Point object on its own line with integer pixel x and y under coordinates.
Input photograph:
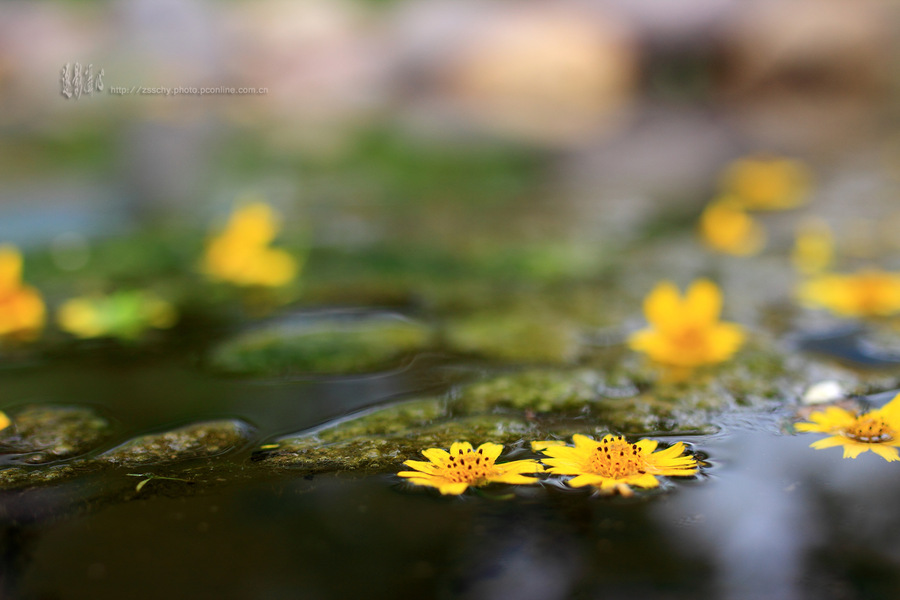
{"type": "Point", "coordinates": [331, 344]}
{"type": "Point", "coordinates": [380, 451]}
{"type": "Point", "coordinates": [199, 440]}
{"type": "Point", "coordinates": [19, 477]}
{"type": "Point", "coordinates": [390, 420]}
{"type": "Point", "coordinates": [46, 433]}
{"type": "Point", "coordinates": [611, 401]}
{"type": "Point", "coordinates": [534, 390]}
{"type": "Point", "coordinates": [515, 337]}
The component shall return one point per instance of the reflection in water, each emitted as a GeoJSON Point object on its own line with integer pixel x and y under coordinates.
{"type": "Point", "coordinates": [516, 552]}
{"type": "Point", "coordinates": [772, 519]}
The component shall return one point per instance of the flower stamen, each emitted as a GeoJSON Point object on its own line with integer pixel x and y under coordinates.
{"type": "Point", "coordinates": [870, 430]}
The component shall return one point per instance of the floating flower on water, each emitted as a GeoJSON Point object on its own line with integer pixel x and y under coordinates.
{"type": "Point", "coordinates": [877, 430]}
{"type": "Point", "coordinates": [22, 310]}
{"type": "Point", "coordinates": [726, 227]}
{"type": "Point", "coordinates": [240, 254]}
{"type": "Point", "coordinates": [813, 247]}
{"type": "Point", "coordinates": [686, 332]}
{"type": "Point", "coordinates": [453, 472]}
{"type": "Point", "coordinates": [124, 315]}
{"type": "Point", "coordinates": [615, 465]}
{"type": "Point", "coordinates": [767, 183]}
{"type": "Point", "coordinates": [868, 293]}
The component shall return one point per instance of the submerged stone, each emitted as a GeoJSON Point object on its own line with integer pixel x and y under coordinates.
{"type": "Point", "coordinates": [516, 337]}
{"type": "Point", "coordinates": [46, 433]}
{"type": "Point", "coordinates": [389, 420]}
{"type": "Point", "coordinates": [376, 441]}
{"type": "Point", "coordinates": [17, 477]}
{"type": "Point", "coordinates": [199, 440]}
{"type": "Point", "coordinates": [330, 344]}
{"type": "Point", "coordinates": [534, 390]}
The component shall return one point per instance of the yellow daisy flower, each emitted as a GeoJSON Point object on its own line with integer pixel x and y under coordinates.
{"type": "Point", "coordinates": [614, 465]}
{"type": "Point", "coordinates": [877, 430]}
{"type": "Point", "coordinates": [686, 332]}
{"type": "Point", "coordinates": [4, 421]}
{"type": "Point", "coordinates": [868, 293]}
{"type": "Point", "coordinates": [455, 471]}
{"type": "Point", "coordinates": [240, 254]}
{"type": "Point", "coordinates": [726, 227]}
{"type": "Point", "coordinates": [22, 310]}
{"type": "Point", "coordinates": [767, 183]}
{"type": "Point", "coordinates": [813, 247]}
{"type": "Point", "coordinates": [124, 314]}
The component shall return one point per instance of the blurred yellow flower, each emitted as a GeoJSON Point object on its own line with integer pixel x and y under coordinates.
{"type": "Point", "coordinates": [615, 465]}
{"type": "Point", "coordinates": [767, 183]}
{"type": "Point", "coordinates": [686, 332]}
{"type": "Point", "coordinates": [868, 293]}
{"type": "Point", "coordinates": [124, 315]}
{"type": "Point", "coordinates": [22, 310]}
{"type": "Point", "coordinates": [813, 247]}
{"type": "Point", "coordinates": [455, 471]}
{"type": "Point", "coordinates": [877, 430]}
{"type": "Point", "coordinates": [4, 421]}
{"type": "Point", "coordinates": [241, 255]}
{"type": "Point", "coordinates": [726, 227]}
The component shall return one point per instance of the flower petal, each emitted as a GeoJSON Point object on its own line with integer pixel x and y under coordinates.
{"type": "Point", "coordinates": [703, 302]}
{"type": "Point", "coordinates": [422, 466]}
{"type": "Point", "coordinates": [490, 451]}
{"type": "Point", "coordinates": [663, 305]}
{"type": "Point", "coordinates": [458, 448]}
{"type": "Point", "coordinates": [520, 466]}
{"type": "Point", "coordinates": [647, 446]}
{"type": "Point", "coordinates": [454, 489]}
{"type": "Point", "coordinates": [888, 453]}
{"type": "Point", "coordinates": [436, 455]}
{"type": "Point", "coordinates": [538, 446]}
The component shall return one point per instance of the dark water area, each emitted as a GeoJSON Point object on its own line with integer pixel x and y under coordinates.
{"type": "Point", "coordinates": [767, 518]}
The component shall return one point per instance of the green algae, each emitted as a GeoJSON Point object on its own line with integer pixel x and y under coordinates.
{"type": "Point", "coordinates": [199, 440]}
{"type": "Point", "coordinates": [330, 346]}
{"type": "Point", "coordinates": [537, 390]}
{"type": "Point", "coordinates": [390, 420]}
{"type": "Point", "coordinates": [310, 453]}
{"type": "Point", "coordinates": [196, 441]}
{"type": "Point", "coordinates": [515, 337]}
{"type": "Point", "coordinates": [47, 433]}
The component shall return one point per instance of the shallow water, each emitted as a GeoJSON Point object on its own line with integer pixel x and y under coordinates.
{"type": "Point", "coordinates": [768, 518]}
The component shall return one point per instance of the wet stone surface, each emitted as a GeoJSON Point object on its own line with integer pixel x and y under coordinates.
{"type": "Point", "coordinates": [196, 441]}
{"type": "Point", "coordinates": [201, 440]}
{"type": "Point", "coordinates": [386, 452]}
{"type": "Point", "coordinates": [48, 433]}
{"type": "Point", "coordinates": [523, 338]}
{"type": "Point", "coordinates": [328, 345]}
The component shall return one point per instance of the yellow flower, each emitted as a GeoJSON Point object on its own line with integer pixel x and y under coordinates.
{"type": "Point", "coordinates": [4, 421]}
{"type": "Point", "coordinates": [614, 465]}
{"type": "Point", "coordinates": [124, 314]}
{"type": "Point", "coordinates": [462, 467]}
{"type": "Point", "coordinates": [686, 332]}
{"type": "Point", "coordinates": [868, 293]}
{"type": "Point", "coordinates": [240, 254]}
{"type": "Point", "coordinates": [726, 227]}
{"type": "Point", "coordinates": [813, 247]}
{"type": "Point", "coordinates": [877, 430]}
{"type": "Point", "coordinates": [767, 183]}
{"type": "Point", "coordinates": [22, 310]}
